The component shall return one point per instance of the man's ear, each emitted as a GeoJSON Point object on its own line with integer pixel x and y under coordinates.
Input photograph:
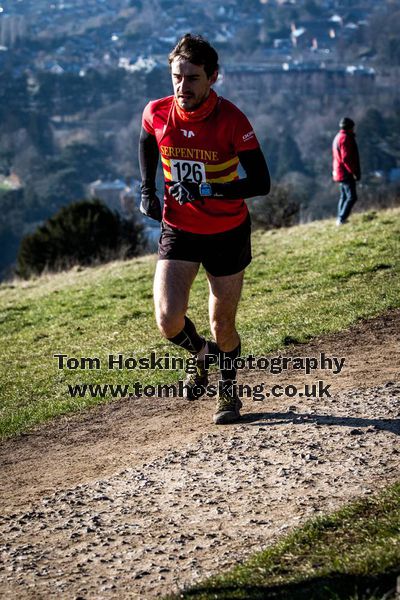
{"type": "Point", "coordinates": [213, 77]}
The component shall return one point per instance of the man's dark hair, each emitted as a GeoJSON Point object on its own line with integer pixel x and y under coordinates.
{"type": "Point", "coordinates": [346, 123]}
{"type": "Point", "coordinates": [196, 50]}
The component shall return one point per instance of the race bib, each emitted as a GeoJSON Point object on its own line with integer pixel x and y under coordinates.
{"type": "Point", "coordinates": [188, 170]}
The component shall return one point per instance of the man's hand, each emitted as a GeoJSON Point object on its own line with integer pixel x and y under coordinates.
{"type": "Point", "coordinates": [150, 206]}
{"type": "Point", "coordinates": [184, 191]}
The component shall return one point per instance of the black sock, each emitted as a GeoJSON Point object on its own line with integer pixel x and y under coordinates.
{"type": "Point", "coordinates": [228, 370]}
{"type": "Point", "coordinates": [188, 338]}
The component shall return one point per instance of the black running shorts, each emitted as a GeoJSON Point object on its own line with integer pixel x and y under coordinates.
{"type": "Point", "coordinates": [221, 254]}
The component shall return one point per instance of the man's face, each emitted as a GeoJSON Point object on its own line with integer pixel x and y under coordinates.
{"type": "Point", "coordinates": [191, 83]}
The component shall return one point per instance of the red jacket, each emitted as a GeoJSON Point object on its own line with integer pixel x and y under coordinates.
{"type": "Point", "coordinates": [346, 162]}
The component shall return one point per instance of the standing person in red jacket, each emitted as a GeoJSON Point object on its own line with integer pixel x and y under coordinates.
{"type": "Point", "coordinates": [346, 168]}
{"type": "Point", "coordinates": [201, 138]}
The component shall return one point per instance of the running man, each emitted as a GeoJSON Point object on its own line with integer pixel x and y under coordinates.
{"type": "Point", "coordinates": [201, 139]}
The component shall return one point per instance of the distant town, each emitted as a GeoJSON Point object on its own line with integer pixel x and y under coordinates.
{"type": "Point", "coordinates": [75, 36]}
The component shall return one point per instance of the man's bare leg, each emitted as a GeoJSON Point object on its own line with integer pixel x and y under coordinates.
{"type": "Point", "coordinates": [172, 282]}
{"type": "Point", "coordinates": [223, 302]}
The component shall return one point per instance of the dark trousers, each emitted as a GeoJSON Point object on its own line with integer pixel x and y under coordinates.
{"type": "Point", "coordinates": [348, 196]}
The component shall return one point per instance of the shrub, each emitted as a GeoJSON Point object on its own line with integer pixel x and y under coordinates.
{"type": "Point", "coordinates": [84, 233]}
{"type": "Point", "coordinates": [279, 209]}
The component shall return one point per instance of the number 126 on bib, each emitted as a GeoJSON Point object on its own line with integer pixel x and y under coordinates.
{"type": "Point", "coordinates": [188, 170]}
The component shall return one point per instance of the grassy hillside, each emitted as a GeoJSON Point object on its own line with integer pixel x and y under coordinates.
{"type": "Point", "coordinates": [305, 281]}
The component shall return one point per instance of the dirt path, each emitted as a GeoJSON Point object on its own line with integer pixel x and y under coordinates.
{"type": "Point", "coordinates": [141, 497]}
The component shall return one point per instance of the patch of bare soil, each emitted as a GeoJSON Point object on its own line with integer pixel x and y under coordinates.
{"type": "Point", "coordinates": [143, 497]}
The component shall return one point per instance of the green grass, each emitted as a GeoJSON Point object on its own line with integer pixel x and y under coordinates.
{"type": "Point", "coordinates": [303, 282]}
{"type": "Point", "coordinates": [352, 554]}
